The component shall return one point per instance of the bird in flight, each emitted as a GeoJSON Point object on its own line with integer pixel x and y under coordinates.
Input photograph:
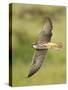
{"type": "Point", "coordinates": [42, 45]}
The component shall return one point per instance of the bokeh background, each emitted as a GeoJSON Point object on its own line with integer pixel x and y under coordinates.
{"type": "Point", "coordinates": [27, 22]}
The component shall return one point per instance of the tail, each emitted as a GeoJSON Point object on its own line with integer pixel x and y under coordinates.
{"type": "Point", "coordinates": [58, 46]}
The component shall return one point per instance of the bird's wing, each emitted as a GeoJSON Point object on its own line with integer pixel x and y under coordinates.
{"type": "Point", "coordinates": [39, 55]}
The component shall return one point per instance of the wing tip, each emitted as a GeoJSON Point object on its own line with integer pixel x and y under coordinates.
{"type": "Point", "coordinates": [29, 75]}
{"type": "Point", "coordinates": [47, 18]}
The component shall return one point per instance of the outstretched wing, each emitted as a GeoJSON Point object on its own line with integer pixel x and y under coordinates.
{"type": "Point", "coordinates": [39, 55]}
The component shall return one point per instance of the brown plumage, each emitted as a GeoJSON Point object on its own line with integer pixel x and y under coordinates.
{"type": "Point", "coordinates": [39, 54]}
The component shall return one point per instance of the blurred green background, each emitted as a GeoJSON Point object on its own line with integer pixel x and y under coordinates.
{"type": "Point", "coordinates": [27, 22]}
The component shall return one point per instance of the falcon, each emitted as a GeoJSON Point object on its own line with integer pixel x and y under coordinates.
{"type": "Point", "coordinates": [42, 45]}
